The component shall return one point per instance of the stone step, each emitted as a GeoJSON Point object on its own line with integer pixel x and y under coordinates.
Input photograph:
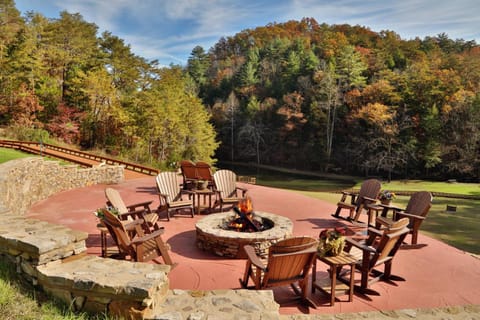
{"type": "Point", "coordinates": [95, 284]}
{"type": "Point", "coordinates": [217, 304]}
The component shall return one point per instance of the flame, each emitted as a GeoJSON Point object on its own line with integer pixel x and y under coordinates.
{"type": "Point", "coordinates": [245, 205]}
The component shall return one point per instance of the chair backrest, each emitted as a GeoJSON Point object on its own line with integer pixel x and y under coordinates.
{"type": "Point", "coordinates": [188, 168]}
{"type": "Point", "coordinates": [168, 185]}
{"type": "Point", "coordinates": [225, 182]}
{"type": "Point", "coordinates": [390, 241]}
{"type": "Point", "coordinates": [419, 203]}
{"type": "Point", "coordinates": [113, 196]}
{"type": "Point", "coordinates": [118, 233]}
{"type": "Point", "coordinates": [290, 260]}
{"type": "Point", "coordinates": [204, 171]}
{"type": "Point", "coordinates": [370, 188]}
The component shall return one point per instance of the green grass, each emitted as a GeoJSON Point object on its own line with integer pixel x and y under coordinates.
{"type": "Point", "coordinates": [472, 189]}
{"type": "Point", "coordinates": [7, 154]}
{"type": "Point", "coordinates": [18, 303]}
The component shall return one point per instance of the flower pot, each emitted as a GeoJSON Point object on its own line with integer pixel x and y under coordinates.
{"type": "Point", "coordinates": [386, 202]}
{"type": "Point", "coordinates": [202, 185]}
{"type": "Point", "coordinates": [330, 247]}
{"type": "Point", "coordinates": [336, 250]}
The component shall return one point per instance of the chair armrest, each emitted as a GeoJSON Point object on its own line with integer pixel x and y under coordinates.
{"type": "Point", "coordinates": [243, 190]}
{"type": "Point", "coordinates": [359, 245]}
{"type": "Point", "coordinates": [148, 236]}
{"type": "Point", "coordinates": [352, 195]}
{"type": "Point", "coordinates": [252, 256]}
{"type": "Point", "coordinates": [388, 206]}
{"type": "Point", "coordinates": [137, 214]}
{"type": "Point", "coordinates": [402, 214]}
{"type": "Point", "coordinates": [161, 195]}
{"type": "Point", "coordinates": [374, 231]}
{"type": "Point", "coordinates": [131, 225]}
{"type": "Point", "coordinates": [369, 199]}
{"type": "Point", "coordinates": [384, 221]}
{"type": "Point", "coordinates": [145, 204]}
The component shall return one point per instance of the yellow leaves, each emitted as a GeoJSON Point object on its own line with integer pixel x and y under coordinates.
{"type": "Point", "coordinates": [376, 113]}
{"type": "Point", "coordinates": [378, 117]}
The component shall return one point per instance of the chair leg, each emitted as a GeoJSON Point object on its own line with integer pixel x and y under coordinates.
{"type": "Point", "coordinates": [414, 237]}
{"type": "Point", "coordinates": [388, 270]}
{"type": "Point", "coordinates": [164, 251]}
{"type": "Point", "coordinates": [246, 275]}
{"type": "Point", "coordinates": [351, 216]}
{"type": "Point", "coordinates": [337, 212]}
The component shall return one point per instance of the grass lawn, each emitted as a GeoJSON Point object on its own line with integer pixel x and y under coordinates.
{"type": "Point", "coordinates": [7, 154]}
{"type": "Point", "coordinates": [471, 189]}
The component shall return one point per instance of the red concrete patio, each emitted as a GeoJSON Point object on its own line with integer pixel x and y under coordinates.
{"type": "Point", "coordinates": [436, 275]}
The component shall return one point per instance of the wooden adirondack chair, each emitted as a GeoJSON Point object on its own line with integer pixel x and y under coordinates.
{"type": "Point", "coordinates": [189, 174]}
{"type": "Point", "coordinates": [378, 249]}
{"type": "Point", "coordinates": [227, 192]}
{"type": "Point", "coordinates": [204, 172]}
{"type": "Point", "coordinates": [172, 195]}
{"type": "Point", "coordinates": [358, 201]}
{"type": "Point", "coordinates": [129, 212]}
{"type": "Point", "coordinates": [416, 211]}
{"type": "Point", "coordinates": [289, 262]}
{"type": "Point", "coordinates": [141, 247]}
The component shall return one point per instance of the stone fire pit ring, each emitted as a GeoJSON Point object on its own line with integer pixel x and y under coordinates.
{"type": "Point", "coordinates": [211, 236]}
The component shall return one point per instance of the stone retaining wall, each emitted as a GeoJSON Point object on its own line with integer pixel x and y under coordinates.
{"type": "Point", "coordinates": [53, 258]}
{"type": "Point", "coordinates": [28, 180]}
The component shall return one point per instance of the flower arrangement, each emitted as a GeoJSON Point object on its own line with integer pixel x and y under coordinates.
{"type": "Point", "coordinates": [331, 242]}
{"type": "Point", "coordinates": [99, 213]}
{"type": "Point", "coordinates": [386, 195]}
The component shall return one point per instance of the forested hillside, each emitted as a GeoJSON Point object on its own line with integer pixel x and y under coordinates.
{"type": "Point", "coordinates": [333, 98]}
{"type": "Point", "coordinates": [344, 98]}
{"type": "Point", "coordinates": [59, 77]}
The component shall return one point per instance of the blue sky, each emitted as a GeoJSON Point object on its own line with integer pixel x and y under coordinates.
{"type": "Point", "coordinates": [168, 30]}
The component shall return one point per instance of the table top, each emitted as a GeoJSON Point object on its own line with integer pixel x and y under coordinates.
{"type": "Point", "coordinates": [342, 259]}
{"type": "Point", "coordinates": [202, 191]}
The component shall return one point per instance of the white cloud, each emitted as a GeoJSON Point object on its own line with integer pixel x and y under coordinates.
{"type": "Point", "coordinates": [409, 18]}
{"type": "Point", "coordinates": [170, 29]}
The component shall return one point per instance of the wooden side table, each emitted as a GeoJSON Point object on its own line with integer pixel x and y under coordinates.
{"type": "Point", "coordinates": [103, 238]}
{"type": "Point", "coordinates": [334, 263]}
{"type": "Point", "coordinates": [377, 210]}
{"type": "Point", "coordinates": [206, 204]}
{"type": "Point", "coordinates": [104, 235]}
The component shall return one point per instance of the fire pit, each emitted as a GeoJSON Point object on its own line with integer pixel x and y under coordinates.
{"type": "Point", "coordinates": [218, 234]}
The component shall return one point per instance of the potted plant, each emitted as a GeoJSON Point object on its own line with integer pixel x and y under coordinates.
{"type": "Point", "coordinates": [386, 197]}
{"type": "Point", "coordinates": [99, 213]}
{"type": "Point", "coordinates": [331, 242]}
{"type": "Point", "coordinates": [202, 184]}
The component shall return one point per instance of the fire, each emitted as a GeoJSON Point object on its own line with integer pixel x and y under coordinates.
{"type": "Point", "coordinates": [244, 222]}
{"type": "Point", "coordinates": [246, 205]}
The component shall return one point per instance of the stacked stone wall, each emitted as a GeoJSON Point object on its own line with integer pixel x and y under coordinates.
{"type": "Point", "coordinates": [28, 180]}
{"type": "Point", "coordinates": [53, 258]}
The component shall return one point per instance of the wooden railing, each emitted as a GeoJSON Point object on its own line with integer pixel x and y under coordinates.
{"type": "Point", "coordinates": [45, 149]}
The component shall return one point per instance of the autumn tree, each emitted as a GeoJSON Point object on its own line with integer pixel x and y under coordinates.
{"type": "Point", "coordinates": [172, 122]}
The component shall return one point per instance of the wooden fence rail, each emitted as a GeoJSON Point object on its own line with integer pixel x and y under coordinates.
{"type": "Point", "coordinates": [45, 149]}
